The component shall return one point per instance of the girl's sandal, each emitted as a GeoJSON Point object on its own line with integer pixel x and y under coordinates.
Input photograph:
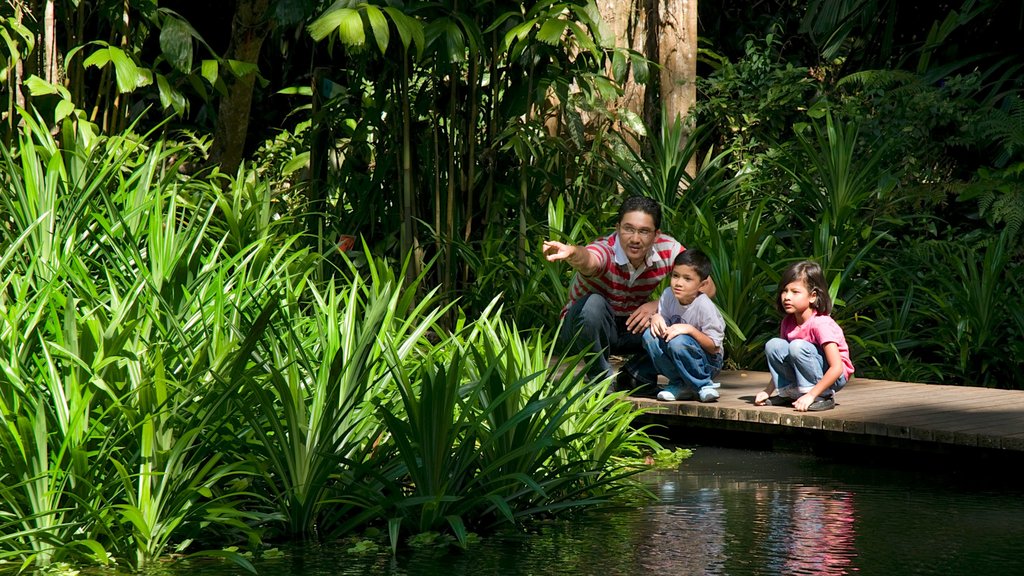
{"type": "Point", "coordinates": [779, 401]}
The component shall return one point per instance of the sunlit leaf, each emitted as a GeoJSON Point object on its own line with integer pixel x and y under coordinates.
{"type": "Point", "coordinates": [126, 71]}
{"type": "Point", "coordinates": [210, 70]}
{"type": "Point", "coordinates": [176, 44]}
{"type": "Point", "coordinates": [410, 30]}
{"type": "Point", "coordinates": [379, 26]}
{"type": "Point", "coordinates": [299, 162]}
{"type": "Point", "coordinates": [551, 31]}
{"type": "Point", "coordinates": [64, 109]}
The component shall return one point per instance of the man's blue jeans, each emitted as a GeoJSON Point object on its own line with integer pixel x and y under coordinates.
{"type": "Point", "coordinates": [797, 366]}
{"type": "Point", "coordinates": [595, 327]}
{"type": "Point", "coordinates": [682, 360]}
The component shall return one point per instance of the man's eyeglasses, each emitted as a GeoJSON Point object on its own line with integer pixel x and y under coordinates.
{"type": "Point", "coordinates": [628, 230]}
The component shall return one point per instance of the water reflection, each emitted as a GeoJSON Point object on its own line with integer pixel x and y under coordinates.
{"type": "Point", "coordinates": [820, 537]}
{"type": "Point", "coordinates": [734, 513]}
{"type": "Point", "coordinates": [721, 524]}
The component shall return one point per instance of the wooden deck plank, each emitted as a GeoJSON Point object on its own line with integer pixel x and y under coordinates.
{"type": "Point", "coordinates": [924, 413]}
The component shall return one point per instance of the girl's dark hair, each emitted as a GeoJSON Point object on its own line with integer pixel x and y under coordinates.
{"type": "Point", "coordinates": [811, 275]}
{"type": "Point", "coordinates": [642, 204]}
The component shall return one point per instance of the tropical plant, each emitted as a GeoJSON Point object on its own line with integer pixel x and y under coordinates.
{"type": "Point", "coordinates": [308, 399]}
{"type": "Point", "coordinates": [458, 114]}
{"type": "Point", "coordinates": [660, 170]}
{"type": "Point", "coordinates": [841, 190]}
{"type": "Point", "coordinates": [490, 430]}
{"type": "Point", "coordinates": [970, 312]}
{"type": "Point", "coordinates": [747, 103]}
{"type": "Point", "coordinates": [741, 252]}
{"type": "Point", "coordinates": [120, 313]}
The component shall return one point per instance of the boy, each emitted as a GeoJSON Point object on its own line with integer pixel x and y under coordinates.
{"type": "Point", "coordinates": [685, 337]}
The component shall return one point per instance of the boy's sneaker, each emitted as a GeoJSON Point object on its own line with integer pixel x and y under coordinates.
{"type": "Point", "coordinates": [822, 404]}
{"type": "Point", "coordinates": [708, 394]}
{"type": "Point", "coordinates": [676, 393]}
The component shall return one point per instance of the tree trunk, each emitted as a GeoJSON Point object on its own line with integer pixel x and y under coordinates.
{"type": "Point", "coordinates": [249, 28]}
{"type": "Point", "coordinates": [678, 59]}
{"type": "Point", "coordinates": [50, 70]}
{"type": "Point", "coordinates": [19, 77]}
{"type": "Point", "coordinates": [665, 31]}
{"type": "Point", "coordinates": [628, 21]}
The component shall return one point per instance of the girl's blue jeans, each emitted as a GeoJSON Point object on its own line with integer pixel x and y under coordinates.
{"type": "Point", "coordinates": [796, 366]}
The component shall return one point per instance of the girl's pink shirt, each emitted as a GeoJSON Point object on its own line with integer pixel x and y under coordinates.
{"type": "Point", "coordinates": [819, 329]}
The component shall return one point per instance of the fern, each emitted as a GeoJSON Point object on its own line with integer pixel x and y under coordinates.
{"type": "Point", "coordinates": [1005, 126]}
{"type": "Point", "coordinates": [1000, 196]}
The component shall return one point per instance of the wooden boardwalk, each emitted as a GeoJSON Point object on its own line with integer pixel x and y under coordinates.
{"type": "Point", "coordinates": [868, 413]}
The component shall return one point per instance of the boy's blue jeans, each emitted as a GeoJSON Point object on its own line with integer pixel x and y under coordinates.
{"type": "Point", "coordinates": [797, 366]}
{"type": "Point", "coordinates": [595, 326]}
{"type": "Point", "coordinates": [682, 360]}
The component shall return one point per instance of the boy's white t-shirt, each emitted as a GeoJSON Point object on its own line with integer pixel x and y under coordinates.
{"type": "Point", "coordinates": [702, 314]}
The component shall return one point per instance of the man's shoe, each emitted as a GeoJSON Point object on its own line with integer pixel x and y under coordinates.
{"type": "Point", "coordinates": [624, 381]}
{"type": "Point", "coordinates": [676, 393]}
{"type": "Point", "coordinates": [822, 404]}
{"type": "Point", "coordinates": [708, 394]}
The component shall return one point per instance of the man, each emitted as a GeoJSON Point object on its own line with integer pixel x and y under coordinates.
{"type": "Point", "coordinates": [610, 296]}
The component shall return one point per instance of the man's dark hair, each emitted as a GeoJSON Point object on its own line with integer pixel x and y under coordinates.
{"type": "Point", "coordinates": [695, 259]}
{"type": "Point", "coordinates": [642, 204]}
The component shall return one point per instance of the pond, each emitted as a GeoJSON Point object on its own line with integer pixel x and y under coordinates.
{"type": "Point", "coordinates": [739, 512]}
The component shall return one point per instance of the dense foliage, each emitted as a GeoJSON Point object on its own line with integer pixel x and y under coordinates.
{"type": "Point", "coordinates": [172, 376]}
{"type": "Point", "coordinates": [191, 362]}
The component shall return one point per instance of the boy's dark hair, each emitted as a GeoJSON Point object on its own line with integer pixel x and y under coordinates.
{"type": "Point", "coordinates": [808, 272]}
{"type": "Point", "coordinates": [695, 259]}
{"type": "Point", "coordinates": [642, 204]}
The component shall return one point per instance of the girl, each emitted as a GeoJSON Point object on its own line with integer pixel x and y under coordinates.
{"type": "Point", "coordinates": [811, 361]}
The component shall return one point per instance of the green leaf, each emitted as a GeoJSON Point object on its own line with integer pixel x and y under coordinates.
{"type": "Point", "coordinates": [455, 42]}
{"type": "Point", "coordinates": [99, 58]}
{"type": "Point", "coordinates": [165, 89]}
{"type": "Point", "coordinates": [296, 91]}
{"type": "Point", "coordinates": [409, 29]}
{"type": "Point", "coordinates": [350, 29]}
{"type": "Point", "coordinates": [619, 66]}
{"type": "Point", "coordinates": [327, 23]}
{"type": "Point", "coordinates": [551, 31]}
{"type": "Point", "coordinates": [240, 68]}
{"type": "Point", "coordinates": [379, 25]}
{"type": "Point", "coordinates": [134, 516]}
{"type": "Point", "coordinates": [298, 162]}
{"type": "Point", "coordinates": [346, 21]}
{"type": "Point", "coordinates": [125, 70]}
{"type": "Point", "coordinates": [583, 39]}
{"type": "Point", "coordinates": [176, 44]}
{"type": "Point", "coordinates": [39, 87]}
{"type": "Point", "coordinates": [641, 69]}
{"type": "Point", "coordinates": [64, 109]}
{"type": "Point", "coordinates": [210, 70]}
{"type": "Point", "coordinates": [608, 90]}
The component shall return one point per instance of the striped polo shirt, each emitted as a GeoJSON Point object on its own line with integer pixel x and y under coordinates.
{"type": "Point", "coordinates": [624, 286]}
